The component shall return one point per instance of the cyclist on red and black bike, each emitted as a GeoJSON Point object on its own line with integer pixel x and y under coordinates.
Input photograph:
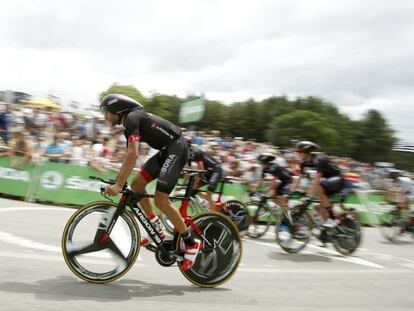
{"type": "Point", "coordinates": [166, 164]}
{"type": "Point", "coordinates": [212, 177]}
{"type": "Point", "coordinates": [328, 180]}
{"type": "Point", "coordinates": [281, 179]}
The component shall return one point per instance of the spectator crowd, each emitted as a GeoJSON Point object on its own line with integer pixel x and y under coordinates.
{"type": "Point", "coordinates": [33, 134]}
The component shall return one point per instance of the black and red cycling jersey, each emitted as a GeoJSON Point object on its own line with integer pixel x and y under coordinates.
{"type": "Point", "coordinates": [167, 163]}
{"type": "Point", "coordinates": [155, 131]}
{"type": "Point", "coordinates": [279, 172]}
{"type": "Point", "coordinates": [209, 163]}
{"type": "Point", "coordinates": [325, 167]}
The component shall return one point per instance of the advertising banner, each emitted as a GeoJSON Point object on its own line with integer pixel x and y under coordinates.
{"type": "Point", "coordinates": [69, 184]}
{"type": "Point", "coordinates": [15, 181]}
{"type": "Point", "coordinates": [64, 183]}
{"type": "Point", "coordinates": [192, 111]}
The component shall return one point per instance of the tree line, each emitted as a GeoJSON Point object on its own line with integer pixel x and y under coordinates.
{"type": "Point", "coordinates": [281, 121]}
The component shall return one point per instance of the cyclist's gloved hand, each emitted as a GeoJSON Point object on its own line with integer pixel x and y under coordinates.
{"type": "Point", "coordinates": [112, 189]}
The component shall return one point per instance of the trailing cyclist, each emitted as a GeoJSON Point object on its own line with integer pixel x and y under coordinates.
{"type": "Point", "coordinates": [281, 179]}
{"type": "Point", "coordinates": [281, 186]}
{"type": "Point", "coordinates": [400, 190]}
{"type": "Point", "coordinates": [328, 180]}
{"type": "Point", "coordinates": [166, 164]}
{"type": "Point", "coordinates": [212, 177]}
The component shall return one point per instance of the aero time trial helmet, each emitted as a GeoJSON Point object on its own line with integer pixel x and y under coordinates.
{"type": "Point", "coordinates": [306, 146]}
{"type": "Point", "coordinates": [266, 158]}
{"type": "Point", "coordinates": [117, 103]}
{"type": "Point", "coordinates": [394, 174]}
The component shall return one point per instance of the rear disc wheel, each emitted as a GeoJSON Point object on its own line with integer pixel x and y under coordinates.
{"type": "Point", "coordinates": [220, 254]}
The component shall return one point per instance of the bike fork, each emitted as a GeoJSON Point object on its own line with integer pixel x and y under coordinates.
{"type": "Point", "coordinates": [108, 221]}
{"type": "Point", "coordinates": [288, 216]}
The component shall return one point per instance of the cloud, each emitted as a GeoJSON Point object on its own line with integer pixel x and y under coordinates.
{"type": "Point", "coordinates": [356, 54]}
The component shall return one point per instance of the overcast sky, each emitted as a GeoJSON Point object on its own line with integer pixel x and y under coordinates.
{"type": "Point", "coordinates": [356, 54]}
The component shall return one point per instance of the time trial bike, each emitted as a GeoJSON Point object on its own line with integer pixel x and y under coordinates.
{"type": "Point", "coordinates": [234, 209]}
{"type": "Point", "coordinates": [294, 234]}
{"type": "Point", "coordinates": [101, 241]}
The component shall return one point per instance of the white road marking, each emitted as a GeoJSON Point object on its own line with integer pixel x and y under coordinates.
{"type": "Point", "coordinates": [20, 209]}
{"type": "Point", "coordinates": [26, 243]}
{"type": "Point", "coordinates": [29, 244]}
{"type": "Point", "coordinates": [57, 258]}
{"type": "Point", "coordinates": [380, 256]}
{"type": "Point", "coordinates": [322, 271]}
{"type": "Point", "coordinates": [350, 259]}
{"type": "Point", "coordinates": [327, 253]}
{"type": "Point", "coordinates": [408, 265]}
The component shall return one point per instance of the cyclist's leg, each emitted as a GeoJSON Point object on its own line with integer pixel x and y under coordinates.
{"type": "Point", "coordinates": [214, 179]}
{"type": "Point", "coordinates": [149, 171]}
{"type": "Point", "coordinates": [138, 185]}
{"type": "Point", "coordinates": [174, 158]}
{"type": "Point", "coordinates": [198, 183]}
{"type": "Point", "coordinates": [324, 190]}
{"type": "Point", "coordinates": [281, 198]}
{"type": "Point", "coordinates": [208, 196]}
{"type": "Point", "coordinates": [325, 202]}
{"type": "Point", "coordinates": [280, 195]}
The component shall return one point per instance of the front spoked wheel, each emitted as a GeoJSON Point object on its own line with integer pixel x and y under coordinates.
{"type": "Point", "coordinates": [221, 252]}
{"type": "Point", "coordinates": [261, 218]}
{"type": "Point", "coordinates": [347, 235]}
{"type": "Point", "coordinates": [392, 226]}
{"type": "Point", "coordinates": [94, 257]}
{"type": "Point", "coordinates": [237, 212]}
{"type": "Point", "coordinates": [292, 238]}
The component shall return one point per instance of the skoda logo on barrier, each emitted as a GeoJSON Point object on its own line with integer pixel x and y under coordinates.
{"type": "Point", "coordinates": [51, 180]}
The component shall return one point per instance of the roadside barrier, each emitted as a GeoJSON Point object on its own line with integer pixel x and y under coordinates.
{"type": "Point", "coordinates": [63, 183]}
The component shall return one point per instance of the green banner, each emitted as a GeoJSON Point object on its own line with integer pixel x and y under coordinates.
{"type": "Point", "coordinates": [70, 184]}
{"type": "Point", "coordinates": [192, 111]}
{"type": "Point", "coordinates": [14, 181]}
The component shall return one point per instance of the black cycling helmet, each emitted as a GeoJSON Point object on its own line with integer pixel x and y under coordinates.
{"type": "Point", "coordinates": [117, 103]}
{"type": "Point", "coordinates": [306, 146]}
{"type": "Point", "coordinates": [394, 174]}
{"type": "Point", "coordinates": [266, 158]}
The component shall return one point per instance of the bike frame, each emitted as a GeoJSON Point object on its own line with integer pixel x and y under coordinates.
{"type": "Point", "coordinates": [219, 192]}
{"type": "Point", "coordinates": [132, 200]}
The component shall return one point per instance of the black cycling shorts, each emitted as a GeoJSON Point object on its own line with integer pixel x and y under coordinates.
{"type": "Point", "coordinates": [333, 185]}
{"type": "Point", "coordinates": [212, 178]}
{"type": "Point", "coordinates": [166, 165]}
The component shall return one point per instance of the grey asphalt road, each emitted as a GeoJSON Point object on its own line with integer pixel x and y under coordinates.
{"type": "Point", "coordinates": [34, 276]}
